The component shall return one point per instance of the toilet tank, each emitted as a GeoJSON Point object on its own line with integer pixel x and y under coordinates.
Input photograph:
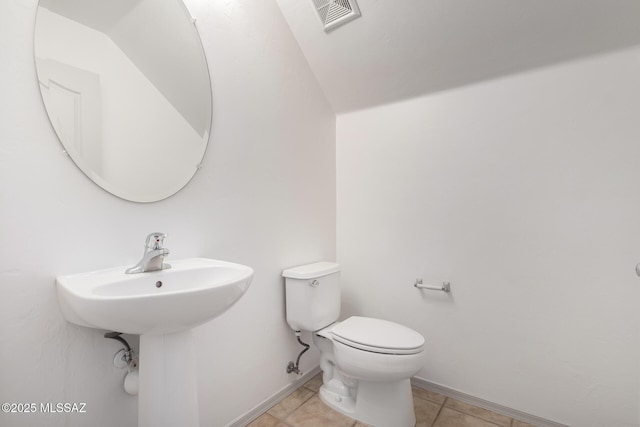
{"type": "Point", "coordinates": [312, 295]}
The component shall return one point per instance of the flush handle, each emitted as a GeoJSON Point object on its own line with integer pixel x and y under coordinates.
{"type": "Point", "coordinates": [314, 283]}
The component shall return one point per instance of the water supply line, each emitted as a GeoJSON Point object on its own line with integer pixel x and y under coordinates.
{"type": "Point", "coordinates": [295, 367]}
{"type": "Point", "coordinates": [128, 353]}
{"type": "Point", "coordinates": [125, 358]}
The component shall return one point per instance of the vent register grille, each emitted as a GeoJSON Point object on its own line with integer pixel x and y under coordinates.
{"type": "Point", "coordinates": [334, 13]}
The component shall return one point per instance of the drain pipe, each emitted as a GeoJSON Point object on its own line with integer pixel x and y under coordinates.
{"type": "Point", "coordinates": [295, 367]}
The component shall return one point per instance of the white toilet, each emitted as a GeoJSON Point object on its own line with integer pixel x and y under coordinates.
{"type": "Point", "coordinates": [366, 362]}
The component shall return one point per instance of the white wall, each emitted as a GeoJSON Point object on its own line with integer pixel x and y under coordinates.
{"type": "Point", "coordinates": [265, 197]}
{"type": "Point", "coordinates": [523, 192]}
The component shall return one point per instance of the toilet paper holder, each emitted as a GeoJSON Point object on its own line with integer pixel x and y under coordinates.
{"type": "Point", "coordinates": [446, 286]}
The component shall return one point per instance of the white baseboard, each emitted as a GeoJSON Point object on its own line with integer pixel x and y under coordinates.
{"type": "Point", "coordinates": [246, 418]}
{"type": "Point", "coordinates": [500, 409]}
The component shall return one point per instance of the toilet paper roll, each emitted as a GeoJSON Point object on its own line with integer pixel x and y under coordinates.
{"type": "Point", "coordinates": [131, 382]}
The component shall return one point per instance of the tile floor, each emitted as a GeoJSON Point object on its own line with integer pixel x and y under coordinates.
{"type": "Point", "coordinates": [303, 408]}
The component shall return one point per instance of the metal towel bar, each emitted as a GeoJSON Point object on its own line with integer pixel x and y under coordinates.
{"type": "Point", "coordinates": [446, 286]}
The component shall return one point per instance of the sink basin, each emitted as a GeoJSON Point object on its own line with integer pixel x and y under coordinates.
{"type": "Point", "coordinates": [162, 307]}
{"type": "Point", "coordinates": [191, 292]}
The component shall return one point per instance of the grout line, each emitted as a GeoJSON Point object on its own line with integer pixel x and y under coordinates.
{"type": "Point", "coordinates": [297, 407]}
{"type": "Point", "coordinates": [438, 414]}
{"type": "Point", "coordinates": [300, 405]}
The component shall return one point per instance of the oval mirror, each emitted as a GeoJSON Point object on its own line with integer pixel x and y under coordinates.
{"type": "Point", "coordinates": [126, 86]}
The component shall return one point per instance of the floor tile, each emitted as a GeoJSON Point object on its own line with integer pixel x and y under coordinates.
{"type": "Point", "coordinates": [266, 420]}
{"type": "Point", "coordinates": [426, 411]}
{"type": "Point", "coordinates": [476, 411]}
{"type": "Point", "coordinates": [314, 383]}
{"type": "Point", "coordinates": [428, 395]}
{"type": "Point", "coordinates": [304, 408]}
{"type": "Point", "coordinates": [290, 403]}
{"type": "Point", "coordinates": [314, 413]}
{"type": "Point", "coordinates": [451, 418]}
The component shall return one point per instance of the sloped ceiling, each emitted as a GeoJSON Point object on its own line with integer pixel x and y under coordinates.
{"type": "Point", "coordinates": [400, 49]}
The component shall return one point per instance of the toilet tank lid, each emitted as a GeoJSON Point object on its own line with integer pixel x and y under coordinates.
{"type": "Point", "coordinates": [311, 271]}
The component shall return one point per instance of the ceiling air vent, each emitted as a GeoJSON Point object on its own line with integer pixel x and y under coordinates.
{"type": "Point", "coordinates": [334, 13]}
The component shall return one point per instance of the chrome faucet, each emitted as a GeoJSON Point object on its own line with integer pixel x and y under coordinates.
{"type": "Point", "coordinates": [153, 257]}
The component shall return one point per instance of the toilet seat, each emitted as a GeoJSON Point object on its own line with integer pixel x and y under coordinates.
{"type": "Point", "coordinates": [378, 336]}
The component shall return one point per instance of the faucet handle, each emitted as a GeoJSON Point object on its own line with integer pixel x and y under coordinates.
{"type": "Point", "coordinates": [154, 241]}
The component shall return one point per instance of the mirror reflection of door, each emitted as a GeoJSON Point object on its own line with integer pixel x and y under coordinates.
{"type": "Point", "coordinates": [74, 97]}
{"type": "Point", "coordinates": [130, 103]}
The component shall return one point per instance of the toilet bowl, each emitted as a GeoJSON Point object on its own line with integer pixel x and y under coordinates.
{"type": "Point", "coordinates": [367, 363]}
{"type": "Point", "coordinates": [366, 366]}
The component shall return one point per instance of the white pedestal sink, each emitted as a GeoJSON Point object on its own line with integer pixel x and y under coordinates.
{"type": "Point", "coordinates": [162, 307]}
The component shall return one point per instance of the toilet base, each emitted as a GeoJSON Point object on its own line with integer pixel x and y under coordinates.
{"type": "Point", "coordinates": [379, 404]}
